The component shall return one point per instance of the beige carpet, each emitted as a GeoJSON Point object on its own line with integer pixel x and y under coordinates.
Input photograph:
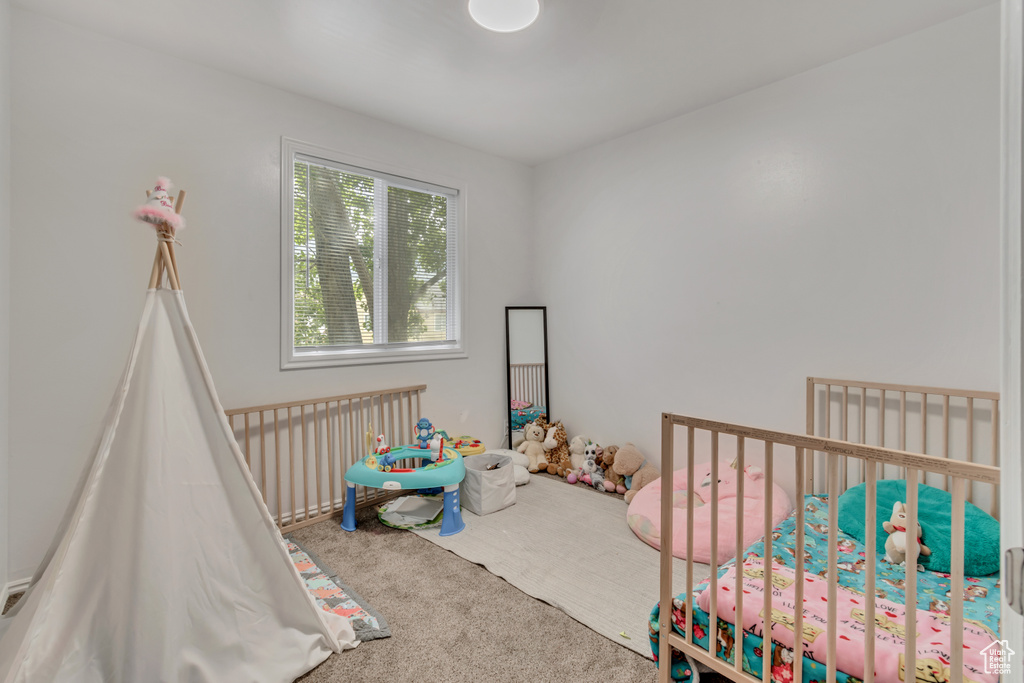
{"type": "Point", "coordinates": [454, 622]}
{"type": "Point", "coordinates": [570, 547]}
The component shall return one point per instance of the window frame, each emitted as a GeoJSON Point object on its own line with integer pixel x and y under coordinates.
{"type": "Point", "coordinates": [291, 357]}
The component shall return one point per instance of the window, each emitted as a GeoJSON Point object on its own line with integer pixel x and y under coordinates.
{"type": "Point", "coordinates": [370, 262]}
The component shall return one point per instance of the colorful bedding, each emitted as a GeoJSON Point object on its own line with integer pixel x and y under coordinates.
{"type": "Point", "coordinates": [981, 604]}
{"type": "Point", "coordinates": [524, 416]}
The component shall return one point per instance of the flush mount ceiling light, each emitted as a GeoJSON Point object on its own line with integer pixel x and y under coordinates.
{"type": "Point", "coordinates": [504, 16]}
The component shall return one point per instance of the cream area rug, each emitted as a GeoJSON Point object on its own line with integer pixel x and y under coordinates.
{"type": "Point", "coordinates": [570, 547]}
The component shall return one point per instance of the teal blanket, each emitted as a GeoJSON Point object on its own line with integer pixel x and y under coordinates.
{"type": "Point", "coordinates": [981, 551]}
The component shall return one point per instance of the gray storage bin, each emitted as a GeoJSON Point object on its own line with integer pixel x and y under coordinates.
{"type": "Point", "coordinates": [484, 491]}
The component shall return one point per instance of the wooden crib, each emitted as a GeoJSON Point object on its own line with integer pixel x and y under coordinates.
{"type": "Point", "coordinates": [955, 436]}
{"type": "Point", "coordinates": [298, 451]}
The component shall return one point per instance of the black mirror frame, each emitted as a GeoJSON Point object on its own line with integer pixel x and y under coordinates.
{"type": "Point", "coordinates": [508, 366]}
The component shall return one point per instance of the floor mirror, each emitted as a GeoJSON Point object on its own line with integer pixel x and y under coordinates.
{"type": "Point", "coordinates": [526, 356]}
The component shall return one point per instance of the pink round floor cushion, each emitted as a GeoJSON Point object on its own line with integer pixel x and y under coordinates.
{"type": "Point", "coordinates": [644, 513]}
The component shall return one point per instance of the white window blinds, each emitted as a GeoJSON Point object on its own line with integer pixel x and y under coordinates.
{"type": "Point", "coordinates": [374, 261]}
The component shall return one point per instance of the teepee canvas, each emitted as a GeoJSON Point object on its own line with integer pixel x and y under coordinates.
{"type": "Point", "coordinates": [167, 566]}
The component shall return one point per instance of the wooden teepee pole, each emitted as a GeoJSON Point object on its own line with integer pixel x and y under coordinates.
{"type": "Point", "coordinates": [164, 257]}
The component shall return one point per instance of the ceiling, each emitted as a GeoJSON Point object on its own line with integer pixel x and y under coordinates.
{"type": "Point", "coordinates": [586, 71]}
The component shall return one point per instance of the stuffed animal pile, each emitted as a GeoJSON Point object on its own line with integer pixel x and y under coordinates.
{"type": "Point", "coordinates": [613, 469]}
{"type": "Point", "coordinates": [596, 466]}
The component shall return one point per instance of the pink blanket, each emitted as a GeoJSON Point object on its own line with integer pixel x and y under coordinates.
{"type": "Point", "coordinates": [933, 630]}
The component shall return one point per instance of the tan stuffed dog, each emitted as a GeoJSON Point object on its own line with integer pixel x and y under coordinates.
{"type": "Point", "coordinates": [533, 447]}
{"type": "Point", "coordinates": [629, 461]}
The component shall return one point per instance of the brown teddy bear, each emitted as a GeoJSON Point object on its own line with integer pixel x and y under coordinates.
{"type": "Point", "coordinates": [533, 447]}
{"type": "Point", "coordinates": [613, 481]}
{"type": "Point", "coordinates": [556, 447]}
{"type": "Point", "coordinates": [630, 462]}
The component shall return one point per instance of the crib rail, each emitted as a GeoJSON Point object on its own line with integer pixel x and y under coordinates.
{"type": "Point", "coordinates": [956, 424]}
{"type": "Point", "coordinates": [298, 451]}
{"type": "Point", "coordinates": [799, 452]}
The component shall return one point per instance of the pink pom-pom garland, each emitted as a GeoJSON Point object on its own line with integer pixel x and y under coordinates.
{"type": "Point", "coordinates": [159, 209]}
{"type": "Point", "coordinates": [158, 216]}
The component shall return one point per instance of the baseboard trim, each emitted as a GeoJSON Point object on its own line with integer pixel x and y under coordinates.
{"type": "Point", "coordinates": [13, 588]}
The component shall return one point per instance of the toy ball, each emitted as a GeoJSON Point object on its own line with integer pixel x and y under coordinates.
{"type": "Point", "coordinates": [571, 478]}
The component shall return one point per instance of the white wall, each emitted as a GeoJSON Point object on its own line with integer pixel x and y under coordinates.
{"type": "Point", "coordinates": [96, 121]}
{"type": "Point", "coordinates": [840, 223]}
{"type": "Point", "coordinates": [5, 271]}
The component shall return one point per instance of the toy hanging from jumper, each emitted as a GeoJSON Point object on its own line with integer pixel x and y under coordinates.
{"type": "Point", "coordinates": [424, 432]}
{"type": "Point", "coordinates": [437, 448]}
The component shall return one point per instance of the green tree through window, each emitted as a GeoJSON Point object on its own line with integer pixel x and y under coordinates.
{"type": "Point", "coordinates": [370, 260]}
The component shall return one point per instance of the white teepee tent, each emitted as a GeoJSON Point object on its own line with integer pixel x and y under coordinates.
{"type": "Point", "coordinates": [167, 566]}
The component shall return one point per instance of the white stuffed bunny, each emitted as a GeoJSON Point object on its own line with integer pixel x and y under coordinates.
{"type": "Point", "coordinates": [896, 544]}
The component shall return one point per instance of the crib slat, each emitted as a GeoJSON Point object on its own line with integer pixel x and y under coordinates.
{"type": "Point", "coordinates": [809, 472]}
{"type": "Point", "coordinates": [910, 580]}
{"type": "Point", "coordinates": [248, 460]}
{"type": "Point", "coordinates": [328, 431]}
{"type": "Point", "coordinates": [231, 426]}
{"type": "Point", "coordinates": [410, 421]}
{"type": "Point", "coordinates": [881, 418]}
{"type": "Point", "coordinates": [924, 423]}
{"type": "Point", "coordinates": [846, 436]}
{"type": "Point", "coordinates": [291, 464]}
{"type": "Point", "coordinates": [994, 511]}
{"type": "Point", "coordinates": [846, 414]}
{"type": "Point", "coordinates": [713, 614]}
{"type": "Point", "coordinates": [316, 456]}
{"type": "Point", "coordinates": [263, 459]}
{"type": "Point", "coordinates": [343, 461]}
{"type": "Point", "coordinates": [833, 527]}
{"type": "Point", "coordinates": [970, 443]}
{"type": "Point", "coordinates": [690, 435]}
{"type": "Point", "coordinates": [870, 561]}
{"type": "Point", "coordinates": [391, 421]}
{"type": "Point", "coordinates": [957, 578]}
{"type": "Point", "coordinates": [738, 619]}
{"type": "Point", "coordinates": [305, 459]}
{"type": "Point", "coordinates": [769, 620]}
{"type": "Point", "coordinates": [828, 411]}
{"type": "Point", "coordinates": [665, 559]}
{"type": "Point", "coordinates": [863, 427]}
{"type": "Point", "coordinates": [798, 616]}
{"type": "Point", "coordinates": [363, 446]}
{"type": "Point", "coordinates": [903, 421]}
{"type": "Point", "coordinates": [277, 461]}
{"type": "Point", "coordinates": [945, 426]}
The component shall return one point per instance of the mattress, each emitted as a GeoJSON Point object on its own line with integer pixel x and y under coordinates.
{"type": "Point", "coordinates": [981, 601]}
